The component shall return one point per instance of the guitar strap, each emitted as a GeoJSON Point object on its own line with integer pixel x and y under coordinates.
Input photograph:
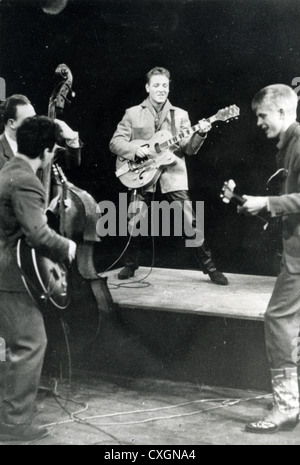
{"type": "Point", "coordinates": [173, 127]}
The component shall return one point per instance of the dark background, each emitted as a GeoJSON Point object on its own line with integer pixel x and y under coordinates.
{"type": "Point", "coordinates": [220, 52]}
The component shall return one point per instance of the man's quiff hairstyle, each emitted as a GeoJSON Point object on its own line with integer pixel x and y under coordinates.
{"type": "Point", "coordinates": [36, 134]}
{"type": "Point", "coordinates": [279, 96]}
{"type": "Point", "coordinates": [157, 71]}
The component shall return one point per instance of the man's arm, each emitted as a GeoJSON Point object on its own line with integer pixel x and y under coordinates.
{"type": "Point", "coordinates": [121, 143]}
{"type": "Point", "coordinates": [284, 205]}
{"type": "Point", "coordinates": [28, 205]}
{"type": "Point", "coordinates": [191, 145]}
{"type": "Point", "coordinates": [70, 156]}
{"type": "Point", "coordinates": [287, 204]}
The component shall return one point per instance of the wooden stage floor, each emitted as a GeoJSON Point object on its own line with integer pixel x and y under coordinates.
{"type": "Point", "coordinates": [186, 291]}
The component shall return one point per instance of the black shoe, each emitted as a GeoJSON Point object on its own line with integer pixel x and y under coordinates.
{"type": "Point", "coordinates": [218, 278]}
{"type": "Point", "coordinates": [126, 273]}
{"type": "Point", "coordinates": [21, 433]}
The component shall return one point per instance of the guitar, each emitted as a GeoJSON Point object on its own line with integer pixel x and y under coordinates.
{"type": "Point", "coordinates": [143, 173]}
{"type": "Point", "coordinates": [228, 195]}
{"type": "Point", "coordinates": [45, 280]}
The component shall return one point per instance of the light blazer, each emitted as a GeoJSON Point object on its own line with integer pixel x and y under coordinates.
{"type": "Point", "coordinates": [139, 123]}
{"type": "Point", "coordinates": [288, 204]}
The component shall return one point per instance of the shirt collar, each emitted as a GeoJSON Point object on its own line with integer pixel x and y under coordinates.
{"type": "Point", "coordinates": [285, 137]}
{"type": "Point", "coordinates": [147, 104]}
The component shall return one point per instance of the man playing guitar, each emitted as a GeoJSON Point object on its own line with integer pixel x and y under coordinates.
{"type": "Point", "coordinates": [142, 122]}
{"type": "Point", "coordinates": [22, 214]}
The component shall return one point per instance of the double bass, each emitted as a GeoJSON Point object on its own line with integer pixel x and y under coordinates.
{"type": "Point", "coordinates": [73, 213]}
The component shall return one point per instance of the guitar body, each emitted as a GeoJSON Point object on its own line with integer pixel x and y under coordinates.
{"type": "Point", "coordinates": [45, 280]}
{"type": "Point", "coordinates": [139, 174]}
{"type": "Point", "coordinates": [143, 173]}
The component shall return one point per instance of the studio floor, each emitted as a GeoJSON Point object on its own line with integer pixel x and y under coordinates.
{"type": "Point", "coordinates": [121, 411]}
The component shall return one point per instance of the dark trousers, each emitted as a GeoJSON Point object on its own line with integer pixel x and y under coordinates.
{"type": "Point", "coordinates": [282, 322]}
{"type": "Point", "coordinates": [201, 252]}
{"type": "Point", "coordinates": [22, 328]}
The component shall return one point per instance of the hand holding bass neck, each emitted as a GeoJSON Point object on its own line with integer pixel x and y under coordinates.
{"type": "Point", "coordinates": [56, 107]}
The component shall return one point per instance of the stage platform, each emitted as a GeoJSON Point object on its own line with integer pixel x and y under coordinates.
{"type": "Point", "coordinates": [191, 292]}
{"type": "Point", "coordinates": [183, 328]}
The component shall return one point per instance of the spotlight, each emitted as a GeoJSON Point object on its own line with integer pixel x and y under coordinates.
{"type": "Point", "coordinates": [53, 7]}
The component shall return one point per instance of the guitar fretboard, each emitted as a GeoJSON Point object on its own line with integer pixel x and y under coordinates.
{"type": "Point", "coordinates": [183, 134]}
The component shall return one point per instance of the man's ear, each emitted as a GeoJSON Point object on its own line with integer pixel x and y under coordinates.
{"type": "Point", "coordinates": [147, 88]}
{"type": "Point", "coordinates": [282, 113]}
{"type": "Point", "coordinates": [12, 123]}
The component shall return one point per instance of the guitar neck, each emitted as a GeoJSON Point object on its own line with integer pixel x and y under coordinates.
{"type": "Point", "coordinates": [237, 199]}
{"type": "Point", "coordinates": [46, 181]}
{"type": "Point", "coordinates": [184, 134]}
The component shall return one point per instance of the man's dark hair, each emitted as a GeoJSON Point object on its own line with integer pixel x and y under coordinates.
{"type": "Point", "coordinates": [8, 108]}
{"type": "Point", "coordinates": [37, 134]}
{"type": "Point", "coordinates": [157, 71]}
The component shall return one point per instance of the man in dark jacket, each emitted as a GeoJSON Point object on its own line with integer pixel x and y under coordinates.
{"type": "Point", "coordinates": [22, 214]}
{"type": "Point", "coordinates": [276, 111]}
{"type": "Point", "coordinates": [12, 114]}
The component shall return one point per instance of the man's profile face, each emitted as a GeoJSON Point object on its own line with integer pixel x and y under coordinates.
{"type": "Point", "coordinates": [48, 156]}
{"type": "Point", "coordinates": [23, 112]}
{"type": "Point", "coordinates": [158, 89]}
{"type": "Point", "coordinates": [270, 120]}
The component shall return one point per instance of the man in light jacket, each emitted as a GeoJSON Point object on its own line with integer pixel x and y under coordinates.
{"type": "Point", "coordinates": [142, 122]}
{"type": "Point", "coordinates": [276, 111]}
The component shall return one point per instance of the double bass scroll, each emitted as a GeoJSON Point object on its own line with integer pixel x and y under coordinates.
{"type": "Point", "coordinates": [77, 211]}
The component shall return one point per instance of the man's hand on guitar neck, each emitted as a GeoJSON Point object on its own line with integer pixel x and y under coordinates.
{"type": "Point", "coordinates": [254, 205]}
{"type": "Point", "coordinates": [205, 127]}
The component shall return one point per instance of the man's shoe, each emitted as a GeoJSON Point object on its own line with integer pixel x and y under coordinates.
{"type": "Point", "coordinates": [270, 427]}
{"type": "Point", "coordinates": [126, 273]}
{"type": "Point", "coordinates": [21, 433]}
{"type": "Point", "coordinates": [218, 278]}
{"type": "Point", "coordinates": [285, 413]}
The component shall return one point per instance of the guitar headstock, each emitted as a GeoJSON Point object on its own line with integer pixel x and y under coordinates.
{"type": "Point", "coordinates": [58, 174]}
{"type": "Point", "coordinates": [228, 113]}
{"type": "Point", "coordinates": [228, 191]}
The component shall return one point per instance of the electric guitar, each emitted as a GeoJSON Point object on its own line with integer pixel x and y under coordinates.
{"type": "Point", "coordinates": [228, 195]}
{"type": "Point", "coordinates": [143, 173]}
